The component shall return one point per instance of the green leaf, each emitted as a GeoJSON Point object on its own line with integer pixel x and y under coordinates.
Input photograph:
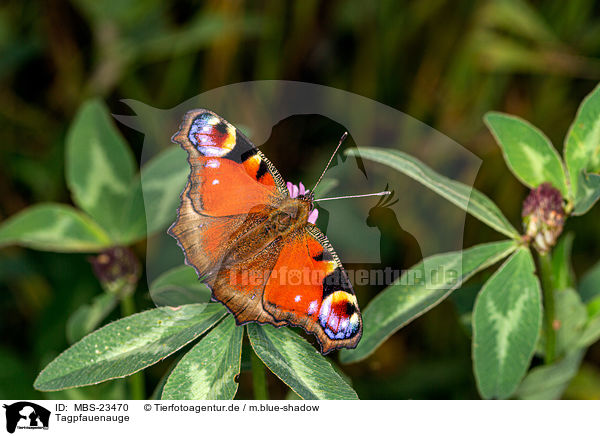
{"type": "Point", "coordinates": [588, 192]}
{"type": "Point", "coordinates": [412, 295]}
{"type": "Point", "coordinates": [589, 290]}
{"type": "Point", "coordinates": [179, 286]}
{"type": "Point", "coordinates": [527, 151]}
{"type": "Point", "coordinates": [209, 370]}
{"type": "Point", "coordinates": [467, 198]}
{"type": "Point", "coordinates": [154, 195]}
{"type": "Point", "coordinates": [548, 382]}
{"type": "Point", "coordinates": [128, 345]}
{"type": "Point", "coordinates": [54, 227]}
{"type": "Point", "coordinates": [464, 300]}
{"type": "Point", "coordinates": [562, 270]}
{"type": "Point", "coordinates": [158, 390]}
{"type": "Point", "coordinates": [298, 364]}
{"type": "Point", "coordinates": [593, 308]}
{"type": "Point", "coordinates": [506, 325]}
{"type": "Point", "coordinates": [113, 390]}
{"type": "Point", "coordinates": [163, 179]}
{"type": "Point", "coordinates": [87, 317]}
{"type": "Point", "coordinates": [591, 332]}
{"type": "Point", "coordinates": [582, 144]}
{"type": "Point", "coordinates": [133, 214]}
{"type": "Point", "coordinates": [99, 166]}
{"type": "Point", "coordinates": [571, 319]}
{"type": "Point", "coordinates": [589, 287]}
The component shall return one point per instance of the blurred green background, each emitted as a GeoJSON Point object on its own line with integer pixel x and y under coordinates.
{"type": "Point", "coordinates": [443, 62]}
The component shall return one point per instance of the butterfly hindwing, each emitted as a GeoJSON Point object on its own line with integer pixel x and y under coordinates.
{"type": "Point", "coordinates": [240, 286]}
{"type": "Point", "coordinates": [308, 287]}
{"type": "Point", "coordinates": [204, 239]}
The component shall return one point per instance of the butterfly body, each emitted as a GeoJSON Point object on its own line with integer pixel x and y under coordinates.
{"type": "Point", "coordinates": [252, 242]}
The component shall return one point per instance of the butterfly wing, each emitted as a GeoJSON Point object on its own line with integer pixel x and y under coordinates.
{"type": "Point", "coordinates": [308, 287]}
{"type": "Point", "coordinates": [228, 174]}
{"type": "Point", "coordinates": [231, 188]}
{"type": "Point", "coordinates": [240, 285]}
{"type": "Point", "coordinates": [204, 239]}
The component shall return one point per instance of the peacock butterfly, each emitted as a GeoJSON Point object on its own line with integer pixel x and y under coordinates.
{"type": "Point", "coordinates": [252, 239]}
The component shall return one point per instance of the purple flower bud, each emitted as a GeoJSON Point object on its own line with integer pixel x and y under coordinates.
{"type": "Point", "coordinates": [543, 216]}
{"type": "Point", "coordinates": [117, 269]}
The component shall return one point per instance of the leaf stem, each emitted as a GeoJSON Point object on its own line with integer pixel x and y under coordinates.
{"type": "Point", "coordinates": [259, 379]}
{"type": "Point", "coordinates": [136, 381]}
{"type": "Point", "coordinates": [548, 291]}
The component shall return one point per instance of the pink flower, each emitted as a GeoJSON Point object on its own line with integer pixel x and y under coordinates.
{"type": "Point", "coordinates": [296, 191]}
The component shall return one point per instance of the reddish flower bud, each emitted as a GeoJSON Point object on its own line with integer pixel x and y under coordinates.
{"type": "Point", "coordinates": [543, 216]}
{"type": "Point", "coordinates": [117, 269]}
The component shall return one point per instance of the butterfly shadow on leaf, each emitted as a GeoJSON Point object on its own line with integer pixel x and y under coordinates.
{"type": "Point", "coordinates": [398, 248]}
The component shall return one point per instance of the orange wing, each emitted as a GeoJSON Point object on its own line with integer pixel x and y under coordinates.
{"type": "Point", "coordinates": [229, 175]}
{"type": "Point", "coordinates": [231, 187]}
{"type": "Point", "coordinates": [236, 280]}
{"type": "Point", "coordinates": [204, 239]}
{"type": "Point", "coordinates": [308, 287]}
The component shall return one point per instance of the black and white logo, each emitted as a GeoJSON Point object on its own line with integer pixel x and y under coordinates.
{"type": "Point", "coordinates": [26, 415]}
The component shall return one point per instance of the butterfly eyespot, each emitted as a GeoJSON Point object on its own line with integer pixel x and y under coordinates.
{"type": "Point", "coordinates": [221, 127]}
{"type": "Point", "coordinates": [211, 136]}
{"type": "Point", "coordinates": [338, 315]}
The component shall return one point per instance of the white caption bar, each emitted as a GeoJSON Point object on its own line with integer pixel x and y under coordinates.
{"type": "Point", "coordinates": [285, 418]}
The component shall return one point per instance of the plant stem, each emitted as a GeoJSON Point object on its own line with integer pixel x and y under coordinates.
{"type": "Point", "coordinates": [548, 291]}
{"type": "Point", "coordinates": [127, 305]}
{"type": "Point", "coordinates": [259, 379]}
{"type": "Point", "coordinates": [136, 381]}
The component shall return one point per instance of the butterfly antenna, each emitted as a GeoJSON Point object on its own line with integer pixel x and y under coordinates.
{"type": "Point", "coordinates": [355, 196]}
{"type": "Point", "coordinates": [330, 159]}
